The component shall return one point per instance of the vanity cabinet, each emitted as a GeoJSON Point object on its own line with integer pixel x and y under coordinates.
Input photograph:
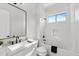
{"type": "Point", "coordinates": [2, 51]}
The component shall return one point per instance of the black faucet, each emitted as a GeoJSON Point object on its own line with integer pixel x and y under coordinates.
{"type": "Point", "coordinates": [17, 37]}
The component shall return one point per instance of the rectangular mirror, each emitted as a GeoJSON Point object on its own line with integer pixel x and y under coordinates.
{"type": "Point", "coordinates": [12, 21]}
{"type": "Point", "coordinates": [17, 22]}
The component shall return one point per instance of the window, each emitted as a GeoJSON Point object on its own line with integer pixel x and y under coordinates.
{"type": "Point", "coordinates": [61, 17]}
{"type": "Point", "coordinates": [51, 19]}
{"type": "Point", "coordinates": [57, 18]}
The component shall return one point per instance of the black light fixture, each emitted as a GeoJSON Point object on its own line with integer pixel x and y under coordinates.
{"type": "Point", "coordinates": [15, 3]}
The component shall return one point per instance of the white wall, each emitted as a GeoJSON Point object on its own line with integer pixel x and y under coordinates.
{"type": "Point", "coordinates": [41, 26]}
{"type": "Point", "coordinates": [77, 28]}
{"type": "Point", "coordinates": [31, 9]}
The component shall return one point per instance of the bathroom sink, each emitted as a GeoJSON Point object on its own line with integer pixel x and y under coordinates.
{"type": "Point", "coordinates": [15, 46]}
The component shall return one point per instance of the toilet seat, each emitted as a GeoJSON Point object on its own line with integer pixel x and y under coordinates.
{"type": "Point", "coordinates": [41, 51]}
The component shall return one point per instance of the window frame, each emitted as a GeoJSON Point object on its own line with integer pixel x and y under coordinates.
{"type": "Point", "coordinates": [51, 16]}
{"type": "Point", "coordinates": [61, 13]}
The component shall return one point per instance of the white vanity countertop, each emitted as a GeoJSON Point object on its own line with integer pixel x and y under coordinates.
{"type": "Point", "coordinates": [15, 46]}
{"type": "Point", "coordinates": [19, 47]}
{"type": "Point", "coordinates": [22, 44]}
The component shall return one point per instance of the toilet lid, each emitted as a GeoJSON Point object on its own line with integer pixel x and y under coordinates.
{"type": "Point", "coordinates": [41, 49]}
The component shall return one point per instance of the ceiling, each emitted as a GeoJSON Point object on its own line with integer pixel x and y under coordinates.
{"type": "Point", "coordinates": [46, 5]}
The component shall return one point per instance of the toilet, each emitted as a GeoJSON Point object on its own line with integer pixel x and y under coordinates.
{"type": "Point", "coordinates": [41, 51]}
